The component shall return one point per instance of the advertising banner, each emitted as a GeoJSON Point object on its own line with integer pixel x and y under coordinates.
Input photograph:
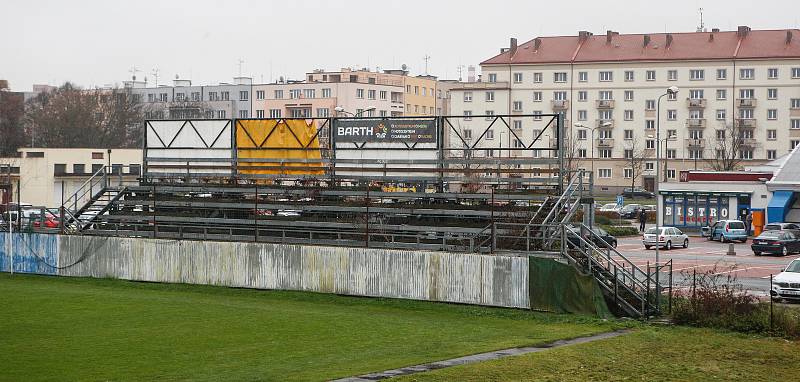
{"type": "Point", "coordinates": [386, 130]}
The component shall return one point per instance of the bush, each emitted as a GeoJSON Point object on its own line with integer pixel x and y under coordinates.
{"type": "Point", "coordinates": [712, 300]}
{"type": "Point", "coordinates": [620, 231]}
{"type": "Point", "coordinates": [602, 220]}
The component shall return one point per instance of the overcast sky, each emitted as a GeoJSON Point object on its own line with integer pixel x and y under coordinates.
{"type": "Point", "coordinates": [93, 43]}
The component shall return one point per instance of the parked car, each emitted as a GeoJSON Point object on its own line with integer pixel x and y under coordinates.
{"type": "Point", "coordinates": [49, 221]}
{"type": "Point", "coordinates": [781, 226]}
{"type": "Point", "coordinates": [637, 193]}
{"type": "Point", "coordinates": [776, 242]}
{"type": "Point", "coordinates": [609, 207]}
{"type": "Point", "coordinates": [601, 238]}
{"type": "Point", "coordinates": [667, 237]}
{"type": "Point", "coordinates": [786, 285]}
{"type": "Point", "coordinates": [630, 211]}
{"type": "Point", "coordinates": [726, 230]}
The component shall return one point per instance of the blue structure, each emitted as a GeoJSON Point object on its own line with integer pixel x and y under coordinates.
{"type": "Point", "coordinates": [779, 206]}
{"type": "Point", "coordinates": [33, 253]}
{"type": "Point", "coordinates": [785, 188]}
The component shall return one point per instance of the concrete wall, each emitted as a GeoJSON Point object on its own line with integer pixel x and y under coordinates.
{"type": "Point", "coordinates": [418, 275]}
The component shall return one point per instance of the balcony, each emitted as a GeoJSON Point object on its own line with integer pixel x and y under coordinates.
{"type": "Point", "coordinates": [746, 103]}
{"type": "Point", "coordinates": [695, 142]}
{"type": "Point", "coordinates": [696, 103]}
{"type": "Point", "coordinates": [605, 142]}
{"type": "Point", "coordinates": [606, 123]}
{"type": "Point", "coordinates": [696, 122]}
{"type": "Point", "coordinates": [746, 123]}
{"type": "Point", "coordinates": [747, 142]}
{"type": "Point", "coordinates": [560, 104]}
{"type": "Point", "coordinates": [605, 104]}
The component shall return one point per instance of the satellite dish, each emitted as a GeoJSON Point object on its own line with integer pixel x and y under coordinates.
{"type": "Point", "coordinates": [404, 67]}
{"type": "Point", "coordinates": [176, 76]}
{"type": "Point", "coordinates": [134, 77]}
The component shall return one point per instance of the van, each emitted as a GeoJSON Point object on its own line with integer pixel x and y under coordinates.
{"type": "Point", "coordinates": [726, 230]}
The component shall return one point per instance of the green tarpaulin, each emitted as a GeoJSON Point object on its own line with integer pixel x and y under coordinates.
{"type": "Point", "coordinates": [557, 287]}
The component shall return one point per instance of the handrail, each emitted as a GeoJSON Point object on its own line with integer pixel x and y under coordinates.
{"type": "Point", "coordinates": [609, 249]}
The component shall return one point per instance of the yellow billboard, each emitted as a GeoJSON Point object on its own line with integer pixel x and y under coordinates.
{"type": "Point", "coordinates": [288, 147]}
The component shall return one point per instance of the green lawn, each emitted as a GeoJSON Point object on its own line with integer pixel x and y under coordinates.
{"type": "Point", "coordinates": [649, 354]}
{"type": "Point", "coordinates": [83, 329]}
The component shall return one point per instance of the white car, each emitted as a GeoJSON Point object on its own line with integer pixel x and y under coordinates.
{"type": "Point", "coordinates": [610, 207]}
{"type": "Point", "coordinates": [786, 285]}
{"type": "Point", "coordinates": [668, 237]}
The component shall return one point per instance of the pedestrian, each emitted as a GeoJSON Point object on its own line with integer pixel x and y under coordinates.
{"type": "Point", "coordinates": [748, 221]}
{"type": "Point", "coordinates": [642, 219]}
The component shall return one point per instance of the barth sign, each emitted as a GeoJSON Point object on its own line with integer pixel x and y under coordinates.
{"type": "Point", "coordinates": [386, 130]}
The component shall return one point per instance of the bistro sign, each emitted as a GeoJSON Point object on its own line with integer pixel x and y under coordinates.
{"type": "Point", "coordinates": [386, 130]}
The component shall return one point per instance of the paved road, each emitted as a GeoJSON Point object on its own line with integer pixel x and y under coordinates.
{"type": "Point", "coordinates": [710, 256]}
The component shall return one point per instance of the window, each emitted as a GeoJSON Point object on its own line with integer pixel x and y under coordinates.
{"type": "Point", "coordinates": [323, 112]}
{"type": "Point", "coordinates": [467, 96]}
{"type": "Point", "coordinates": [260, 94]}
{"type": "Point", "coordinates": [278, 94]}
{"type": "Point", "coordinates": [259, 113]}
{"type": "Point", "coordinates": [489, 115]}
{"type": "Point", "coordinates": [581, 153]}
{"type": "Point", "coordinates": [604, 173]}
{"type": "Point", "coordinates": [672, 115]}
{"type": "Point", "coordinates": [795, 103]}
{"type": "Point", "coordinates": [78, 168]}
{"type": "Point", "coordinates": [746, 154]}
{"type": "Point", "coordinates": [226, 96]}
{"type": "Point", "coordinates": [489, 96]}
{"type": "Point", "coordinates": [180, 97]}
{"type": "Point", "coordinates": [772, 113]}
{"type": "Point", "coordinates": [627, 173]}
{"type": "Point", "coordinates": [517, 105]}
{"type": "Point", "coordinates": [492, 77]}
{"type": "Point", "coordinates": [722, 94]}
{"type": "Point", "coordinates": [650, 124]}
{"type": "Point", "coordinates": [95, 155]}
{"type": "Point", "coordinates": [326, 93]}
{"type": "Point", "coordinates": [672, 75]}
{"type": "Point", "coordinates": [560, 96]}
{"type": "Point", "coordinates": [244, 95]}
{"type": "Point", "coordinates": [722, 74]}
{"type": "Point", "coordinates": [772, 73]}
{"type": "Point", "coordinates": [243, 114]}
{"type": "Point", "coordinates": [672, 133]}
{"type": "Point", "coordinates": [583, 95]}
{"type": "Point", "coordinates": [537, 78]}
{"type": "Point", "coordinates": [795, 72]}
{"type": "Point", "coordinates": [697, 74]}
{"type": "Point", "coordinates": [672, 154]}
{"type": "Point", "coordinates": [468, 133]}
{"type": "Point", "coordinates": [295, 93]}
{"type": "Point", "coordinates": [629, 95]}
{"type": "Point", "coordinates": [628, 154]}
{"type": "Point", "coordinates": [650, 144]}
{"type": "Point", "coordinates": [628, 134]}
{"type": "Point", "coordinates": [649, 166]}
{"type": "Point", "coordinates": [606, 134]}
{"type": "Point", "coordinates": [537, 96]}
{"type": "Point", "coordinates": [59, 169]}
{"type": "Point", "coordinates": [795, 123]}
{"type": "Point", "coordinates": [772, 93]}
{"type": "Point", "coordinates": [581, 115]}
{"type": "Point", "coordinates": [359, 93]}
{"type": "Point", "coordinates": [628, 115]}
{"type": "Point", "coordinates": [651, 75]}
{"type": "Point", "coordinates": [606, 114]}
{"type": "Point", "coordinates": [747, 74]}
{"type": "Point", "coordinates": [311, 93]}
{"type": "Point", "coordinates": [517, 125]}
{"type": "Point", "coordinates": [275, 113]}
{"type": "Point", "coordinates": [584, 76]}
{"type": "Point", "coordinates": [629, 75]}
{"type": "Point", "coordinates": [793, 143]}
{"type": "Point", "coordinates": [582, 134]}
{"type": "Point", "coordinates": [772, 135]}
{"type": "Point", "coordinates": [490, 134]}
{"type": "Point", "coordinates": [537, 115]}
{"type": "Point", "coordinates": [746, 93]}
{"type": "Point", "coordinates": [371, 94]}
{"type": "Point", "coordinates": [604, 153]}
{"type": "Point", "coordinates": [222, 114]}
{"type": "Point", "coordinates": [467, 115]}
{"type": "Point", "coordinates": [720, 114]}
{"type": "Point", "coordinates": [650, 104]}
{"type": "Point", "coordinates": [560, 77]}
{"type": "Point", "coordinates": [720, 135]}
{"type": "Point", "coordinates": [606, 95]}
{"type": "Point", "coordinates": [672, 96]}
{"type": "Point", "coordinates": [416, 90]}
{"type": "Point", "coordinates": [696, 94]}
{"type": "Point", "coordinates": [772, 154]}
{"type": "Point", "coordinates": [671, 173]}
{"type": "Point", "coordinates": [695, 154]}
{"type": "Point", "coordinates": [196, 96]}
{"type": "Point", "coordinates": [606, 76]}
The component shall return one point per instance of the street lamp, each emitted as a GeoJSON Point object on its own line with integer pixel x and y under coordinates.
{"type": "Point", "coordinates": [340, 109]}
{"type": "Point", "coordinates": [672, 90]}
{"type": "Point", "coordinates": [591, 142]}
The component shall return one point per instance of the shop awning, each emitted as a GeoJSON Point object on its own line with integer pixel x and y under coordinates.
{"type": "Point", "coordinates": [779, 206]}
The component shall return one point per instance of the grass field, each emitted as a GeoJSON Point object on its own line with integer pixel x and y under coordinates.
{"type": "Point", "coordinates": [84, 329]}
{"type": "Point", "coordinates": [648, 354]}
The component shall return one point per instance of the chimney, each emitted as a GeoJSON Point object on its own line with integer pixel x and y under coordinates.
{"type": "Point", "coordinates": [788, 37]}
{"type": "Point", "coordinates": [710, 37]}
{"type": "Point", "coordinates": [669, 40]}
{"type": "Point", "coordinates": [537, 42]}
{"type": "Point", "coordinates": [609, 35]}
{"type": "Point", "coordinates": [714, 30]}
{"type": "Point", "coordinates": [646, 41]}
{"type": "Point", "coordinates": [512, 50]}
{"type": "Point", "coordinates": [743, 31]}
{"type": "Point", "coordinates": [583, 35]}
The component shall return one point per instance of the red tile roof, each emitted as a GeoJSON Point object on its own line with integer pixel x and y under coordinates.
{"type": "Point", "coordinates": [631, 47]}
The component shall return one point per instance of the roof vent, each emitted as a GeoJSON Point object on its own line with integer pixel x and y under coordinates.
{"type": "Point", "coordinates": [646, 41]}
{"type": "Point", "coordinates": [788, 37]}
{"type": "Point", "coordinates": [669, 41]}
{"type": "Point", "coordinates": [743, 31]}
{"type": "Point", "coordinates": [537, 42]}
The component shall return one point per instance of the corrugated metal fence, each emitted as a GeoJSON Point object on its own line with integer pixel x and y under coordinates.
{"type": "Point", "coordinates": [419, 275]}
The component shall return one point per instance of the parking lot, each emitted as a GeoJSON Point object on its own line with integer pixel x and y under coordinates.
{"type": "Point", "coordinates": [704, 255]}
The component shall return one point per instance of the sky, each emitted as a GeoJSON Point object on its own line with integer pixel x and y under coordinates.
{"type": "Point", "coordinates": [96, 43]}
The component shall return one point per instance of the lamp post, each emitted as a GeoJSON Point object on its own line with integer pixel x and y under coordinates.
{"type": "Point", "coordinates": [591, 142]}
{"type": "Point", "coordinates": [672, 90]}
{"type": "Point", "coordinates": [340, 109]}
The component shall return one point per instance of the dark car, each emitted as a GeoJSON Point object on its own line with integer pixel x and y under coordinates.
{"type": "Point", "coordinates": [637, 193]}
{"type": "Point", "coordinates": [777, 242]}
{"type": "Point", "coordinates": [630, 211]}
{"type": "Point", "coordinates": [781, 226]}
{"type": "Point", "coordinates": [601, 238]}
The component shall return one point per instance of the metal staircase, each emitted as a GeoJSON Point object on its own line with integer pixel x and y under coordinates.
{"type": "Point", "coordinates": [93, 198]}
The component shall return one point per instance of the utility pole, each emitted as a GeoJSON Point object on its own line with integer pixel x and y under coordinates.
{"type": "Point", "coordinates": [426, 58]}
{"type": "Point", "coordinates": [155, 74]}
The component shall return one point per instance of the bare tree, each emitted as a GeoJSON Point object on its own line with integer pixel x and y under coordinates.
{"type": "Point", "coordinates": [728, 144]}
{"type": "Point", "coordinates": [12, 135]}
{"type": "Point", "coordinates": [635, 157]}
{"type": "Point", "coordinates": [73, 117]}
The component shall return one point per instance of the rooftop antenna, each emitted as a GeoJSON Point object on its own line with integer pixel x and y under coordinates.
{"type": "Point", "coordinates": [460, 70]}
{"type": "Point", "coordinates": [155, 74]}
{"type": "Point", "coordinates": [240, 62]}
{"type": "Point", "coordinates": [426, 58]}
{"type": "Point", "coordinates": [702, 27]}
{"type": "Point", "coordinates": [133, 71]}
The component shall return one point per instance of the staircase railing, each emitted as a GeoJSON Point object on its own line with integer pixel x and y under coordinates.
{"type": "Point", "coordinates": [86, 191]}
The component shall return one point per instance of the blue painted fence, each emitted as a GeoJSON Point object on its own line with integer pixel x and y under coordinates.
{"type": "Point", "coordinates": [33, 253]}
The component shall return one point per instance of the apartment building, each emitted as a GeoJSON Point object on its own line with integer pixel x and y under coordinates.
{"type": "Point", "coordinates": [607, 88]}
{"type": "Point", "coordinates": [184, 100]}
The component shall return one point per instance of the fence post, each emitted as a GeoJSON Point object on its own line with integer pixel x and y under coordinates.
{"type": "Point", "coordinates": [669, 308]}
{"type": "Point", "coordinates": [256, 214]}
{"type": "Point", "coordinates": [770, 304]}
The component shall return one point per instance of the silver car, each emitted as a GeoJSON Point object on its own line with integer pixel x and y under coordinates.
{"type": "Point", "coordinates": [667, 237]}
